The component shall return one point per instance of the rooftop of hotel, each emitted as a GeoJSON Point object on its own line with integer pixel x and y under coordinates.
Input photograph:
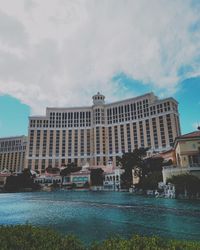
{"type": "Point", "coordinates": [149, 95]}
{"type": "Point", "coordinates": [190, 135]}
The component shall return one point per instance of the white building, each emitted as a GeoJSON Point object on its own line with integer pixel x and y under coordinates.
{"type": "Point", "coordinates": [112, 180]}
{"type": "Point", "coordinates": [99, 133]}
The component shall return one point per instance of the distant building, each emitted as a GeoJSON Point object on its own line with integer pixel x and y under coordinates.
{"type": "Point", "coordinates": [48, 179]}
{"type": "Point", "coordinates": [12, 153]}
{"type": "Point", "coordinates": [187, 151]}
{"type": "Point", "coordinates": [99, 133]}
{"type": "Point", "coordinates": [78, 179]}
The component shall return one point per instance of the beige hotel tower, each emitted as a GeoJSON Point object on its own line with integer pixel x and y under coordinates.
{"type": "Point", "coordinates": [98, 133]}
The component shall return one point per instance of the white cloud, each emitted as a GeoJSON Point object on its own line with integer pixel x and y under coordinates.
{"type": "Point", "coordinates": [60, 52]}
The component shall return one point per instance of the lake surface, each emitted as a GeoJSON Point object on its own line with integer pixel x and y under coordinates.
{"type": "Point", "coordinates": [96, 215]}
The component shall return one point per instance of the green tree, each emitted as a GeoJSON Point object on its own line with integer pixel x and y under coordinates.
{"type": "Point", "coordinates": [96, 176]}
{"type": "Point", "coordinates": [130, 161]}
{"type": "Point", "coordinates": [20, 182]}
{"type": "Point", "coordinates": [71, 168]}
{"type": "Point", "coordinates": [186, 184]}
{"type": "Point", "coordinates": [51, 170]}
{"type": "Point", "coordinates": [150, 181]}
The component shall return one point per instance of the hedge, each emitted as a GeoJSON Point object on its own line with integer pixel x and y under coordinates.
{"type": "Point", "coordinates": [28, 237]}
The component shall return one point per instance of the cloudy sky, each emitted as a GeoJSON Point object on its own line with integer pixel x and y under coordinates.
{"type": "Point", "coordinates": [61, 52]}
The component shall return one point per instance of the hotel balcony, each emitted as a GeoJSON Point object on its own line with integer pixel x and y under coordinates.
{"type": "Point", "coordinates": [169, 171]}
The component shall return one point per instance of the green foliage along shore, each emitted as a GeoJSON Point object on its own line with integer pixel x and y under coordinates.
{"type": "Point", "coordinates": [34, 238]}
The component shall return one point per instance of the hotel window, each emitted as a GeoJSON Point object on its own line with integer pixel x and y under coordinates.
{"type": "Point", "coordinates": [31, 143]}
{"type": "Point", "coordinates": [43, 166]}
{"type": "Point", "coordinates": [51, 143]}
{"type": "Point", "coordinates": [82, 142]}
{"type": "Point", "coordinates": [102, 117]}
{"type": "Point", "coordinates": [76, 119]}
{"type": "Point", "coordinates": [122, 138]}
{"type": "Point", "coordinates": [155, 132]}
{"type": "Point", "coordinates": [162, 131]}
{"type": "Point", "coordinates": [104, 140]}
{"type": "Point", "coordinates": [82, 119]}
{"type": "Point", "coordinates": [97, 116]}
{"type": "Point", "coordinates": [135, 137]}
{"type": "Point", "coordinates": [44, 143]}
{"type": "Point", "coordinates": [88, 119]}
{"type": "Point", "coordinates": [116, 139]}
{"type": "Point", "coordinates": [133, 111]}
{"type": "Point", "coordinates": [57, 142]}
{"type": "Point", "coordinates": [141, 134]}
{"type": "Point", "coordinates": [75, 142]}
{"type": "Point", "coordinates": [110, 140]}
{"type": "Point", "coordinates": [50, 163]}
{"type": "Point", "coordinates": [121, 113]}
{"type": "Point", "coordinates": [109, 116]}
{"type": "Point", "coordinates": [69, 142]}
{"type": "Point", "coordinates": [70, 119]}
{"type": "Point", "coordinates": [63, 142]}
{"type": "Point", "coordinates": [170, 132]}
{"type": "Point", "coordinates": [115, 114]}
{"type": "Point", "coordinates": [97, 140]}
{"type": "Point", "coordinates": [148, 135]}
{"type": "Point", "coordinates": [88, 141]}
{"type": "Point", "coordinates": [127, 112]}
{"type": "Point", "coordinates": [37, 143]}
{"type": "Point", "coordinates": [128, 133]}
{"type": "Point", "coordinates": [36, 164]}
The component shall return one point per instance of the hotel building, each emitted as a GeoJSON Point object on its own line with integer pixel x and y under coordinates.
{"type": "Point", "coordinates": [101, 132]}
{"type": "Point", "coordinates": [12, 153]}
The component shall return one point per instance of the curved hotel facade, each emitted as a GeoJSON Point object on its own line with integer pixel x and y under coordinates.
{"type": "Point", "coordinates": [97, 134]}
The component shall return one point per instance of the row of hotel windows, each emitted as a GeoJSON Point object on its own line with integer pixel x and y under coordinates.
{"type": "Point", "coordinates": [49, 149]}
{"type": "Point", "coordinates": [117, 135]}
{"type": "Point", "coordinates": [117, 114]}
{"type": "Point", "coordinates": [11, 143]}
{"type": "Point", "coordinates": [49, 162]}
{"type": "Point", "coordinates": [12, 161]}
{"type": "Point", "coordinates": [16, 148]}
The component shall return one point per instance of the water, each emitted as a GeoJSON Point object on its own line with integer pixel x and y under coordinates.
{"type": "Point", "coordinates": [96, 215]}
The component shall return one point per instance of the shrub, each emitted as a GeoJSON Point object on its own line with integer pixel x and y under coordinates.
{"type": "Point", "coordinates": [28, 237]}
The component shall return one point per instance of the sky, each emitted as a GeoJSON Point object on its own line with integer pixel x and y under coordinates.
{"type": "Point", "coordinates": [61, 52]}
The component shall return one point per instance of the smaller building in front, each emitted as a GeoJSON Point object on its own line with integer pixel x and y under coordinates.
{"type": "Point", "coordinates": [112, 180]}
{"type": "Point", "coordinates": [78, 179]}
{"type": "Point", "coordinates": [187, 153]}
{"type": "Point", "coordinates": [12, 153]}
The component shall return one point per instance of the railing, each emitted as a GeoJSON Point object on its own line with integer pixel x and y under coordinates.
{"type": "Point", "coordinates": [194, 165]}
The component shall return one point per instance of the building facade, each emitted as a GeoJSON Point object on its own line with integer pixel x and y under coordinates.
{"type": "Point", "coordinates": [187, 149]}
{"type": "Point", "coordinates": [12, 153]}
{"type": "Point", "coordinates": [187, 152]}
{"type": "Point", "coordinates": [99, 133]}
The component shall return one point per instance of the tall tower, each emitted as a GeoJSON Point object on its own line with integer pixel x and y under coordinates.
{"type": "Point", "coordinates": [98, 99]}
{"type": "Point", "coordinates": [99, 133]}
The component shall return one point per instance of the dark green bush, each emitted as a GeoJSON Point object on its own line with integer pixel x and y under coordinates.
{"type": "Point", "coordinates": [34, 238]}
